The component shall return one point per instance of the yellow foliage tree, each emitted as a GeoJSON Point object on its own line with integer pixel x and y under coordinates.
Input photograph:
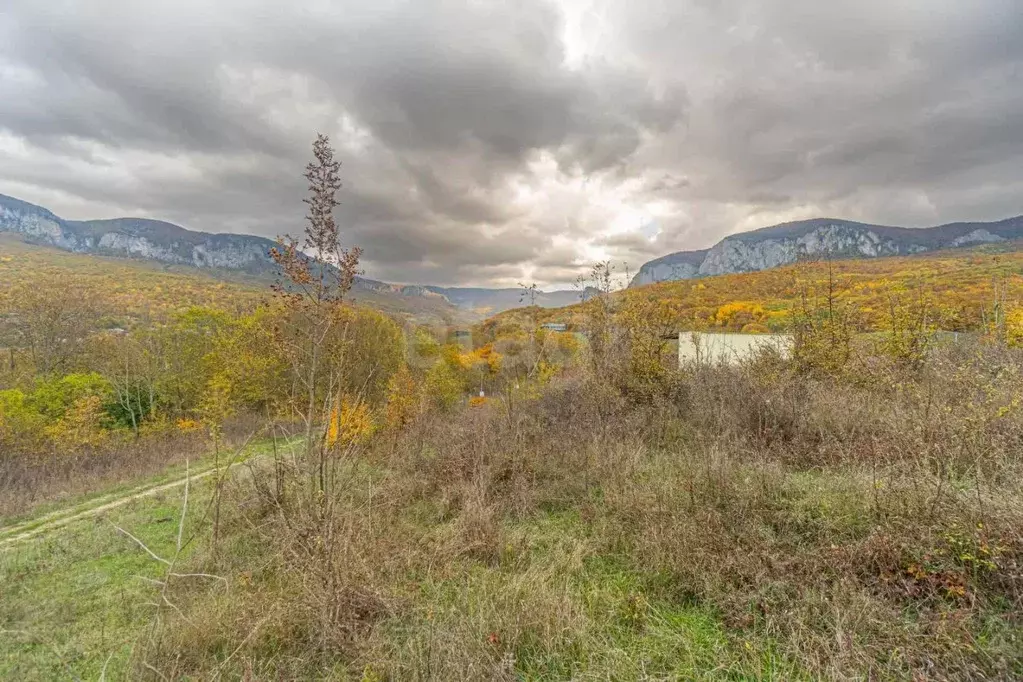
{"type": "Point", "coordinates": [822, 327]}
{"type": "Point", "coordinates": [908, 327]}
{"type": "Point", "coordinates": [444, 385]}
{"type": "Point", "coordinates": [216, 407]}
{"type": "Point", "coordinates": [424, 344]}
{"type": "Point", "coordinates": [545, 372]}
{"type": "Point", "coordinates": [568, 345]}
{"type": "Point", "coordinates": [1014, 327]}
{"type": "Point", "coordinates": [351, 423]}
{"type": "Point", "coordinates": [402, 399]}
{"type": "Point", "coordinates": [485, 357]}
{"type": "Point", "coordinates": [80, 427]}
{"type": "Point", "coordinates": [737, 314]}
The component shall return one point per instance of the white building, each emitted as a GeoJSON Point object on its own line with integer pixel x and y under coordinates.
{"type": "Point", "coordinates": [714, 348]}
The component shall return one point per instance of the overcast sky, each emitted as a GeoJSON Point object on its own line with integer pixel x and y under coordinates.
{"type": "Point", "coordinates": [493, 142]}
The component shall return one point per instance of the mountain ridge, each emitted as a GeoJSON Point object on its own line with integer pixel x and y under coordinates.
{"type": "Point", "coordinates": [782, 244]}
{"type": "Point", "coordinates": [165, 242]}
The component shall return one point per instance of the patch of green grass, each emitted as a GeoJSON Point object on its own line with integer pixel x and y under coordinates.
{"type": "Point", "coordinates": [51, 510]}
{"type": "Point", "coordinates": [556, 606]}
{"type": "Point", "coordinates": [76, 600]}
{"type": "Point", "coordinates": [827, 507]}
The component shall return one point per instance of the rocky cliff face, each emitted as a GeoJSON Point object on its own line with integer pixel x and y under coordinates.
{"type": "Point", "coordinates": [137, 238]}
{"type": "Point", "coordinates": [783, 244]}
{"type": "Point", "coordinates": [681, 265]}
{"type": "Point", "coordinates": [36, 224]}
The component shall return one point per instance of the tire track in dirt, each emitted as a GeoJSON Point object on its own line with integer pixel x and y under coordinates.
{"type": "Point", "coordinates": [55, 520]}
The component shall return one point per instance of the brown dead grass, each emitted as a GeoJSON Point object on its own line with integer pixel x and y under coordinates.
{"type": "Point", "coordinates": [31, 481]}
{"type": "Point", "coordinates": [866, 528]}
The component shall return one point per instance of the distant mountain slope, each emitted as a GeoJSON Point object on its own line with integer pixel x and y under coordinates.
{"type": "Point", "coordinates": [771, 247]}
{"type": "Point", "coordinates": [959, 285]}
{"type": "Point", "coordinates": [166, 286]}
{"type": "Point", "coordinates": [496, 300]}
{"type": "Point", "coordinates": [171, 244]}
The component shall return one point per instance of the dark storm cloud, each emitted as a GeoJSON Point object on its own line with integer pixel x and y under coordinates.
{"type": "Point", "coordinates": [881, 111]}
{"type": "Point", "coordinates": [494, 141]}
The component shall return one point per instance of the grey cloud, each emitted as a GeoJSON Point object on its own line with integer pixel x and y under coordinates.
{"type": "Point", "coordinates": [455, 99]}
{"type": "Point", "coordinates": [844, 108]}
{"type": "Point", "coordinates": [723, 114]}
{"type": "Point", "coordinates": [562, 256]}
{"type": "Point", "coordinates": [473, 205]}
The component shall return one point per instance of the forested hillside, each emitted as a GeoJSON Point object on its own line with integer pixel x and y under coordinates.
{"type": "Point", "coordinates": [242, 256]}
{"type": "Point", "coordinates": [133, 288]}
{"type": "Point", "coordinates": [960, 290]}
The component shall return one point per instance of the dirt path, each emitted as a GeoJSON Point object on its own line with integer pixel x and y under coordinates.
{"type": "Point", "coordinates": [55, 520]}
{"type": "Point", "coordinates": [58, 519]}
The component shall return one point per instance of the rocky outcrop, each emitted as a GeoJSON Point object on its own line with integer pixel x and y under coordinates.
{"type": "Point", "coordinates": [783, 244]}
{"type": "Point", "coordinates": [37, 224]}
{"type": "Point", "coordinates": [978, 237]}
{"type": "Point", "coordinates": [137, 238]}
{"type": "Point", "coordinates": [681, 265]}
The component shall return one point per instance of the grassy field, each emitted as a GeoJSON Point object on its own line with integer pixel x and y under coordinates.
{"type": "Point", "coordinates": [752, 525]}
{"type": "Point", "coordinates": [76, 485]}
{"type": "Point", "coordinates": [744, 523]}
{"type": "Point", "coordinates": [77, 596]}
{"type": "Point", "coordinates": [76, 602]}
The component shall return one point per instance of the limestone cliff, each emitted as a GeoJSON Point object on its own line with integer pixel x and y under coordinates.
{"type": "Point", "coordinates": [783, 244]}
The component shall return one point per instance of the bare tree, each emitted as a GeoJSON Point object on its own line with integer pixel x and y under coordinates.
{"type": "Point", "coordinates": [130, 362]}
{"type": "Point", "coordinates": [315, 279]}
{"type": "Point", "coordinates": [52, 320]}
{"type": "Point", "coordinates": [601, 307]}
{"type": "Point", "coordinates": [528, 293]}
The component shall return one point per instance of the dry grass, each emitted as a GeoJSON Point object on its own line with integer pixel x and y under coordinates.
{"type": "Point", "coordinates": [747, 523]}
{"type": "Point", "coordinates": [31, 482]}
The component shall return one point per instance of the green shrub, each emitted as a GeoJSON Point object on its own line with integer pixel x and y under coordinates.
{"type": "Point", "coordinates": [20, 423]}
{"type": "Point", "coordinates": [54, 397]}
